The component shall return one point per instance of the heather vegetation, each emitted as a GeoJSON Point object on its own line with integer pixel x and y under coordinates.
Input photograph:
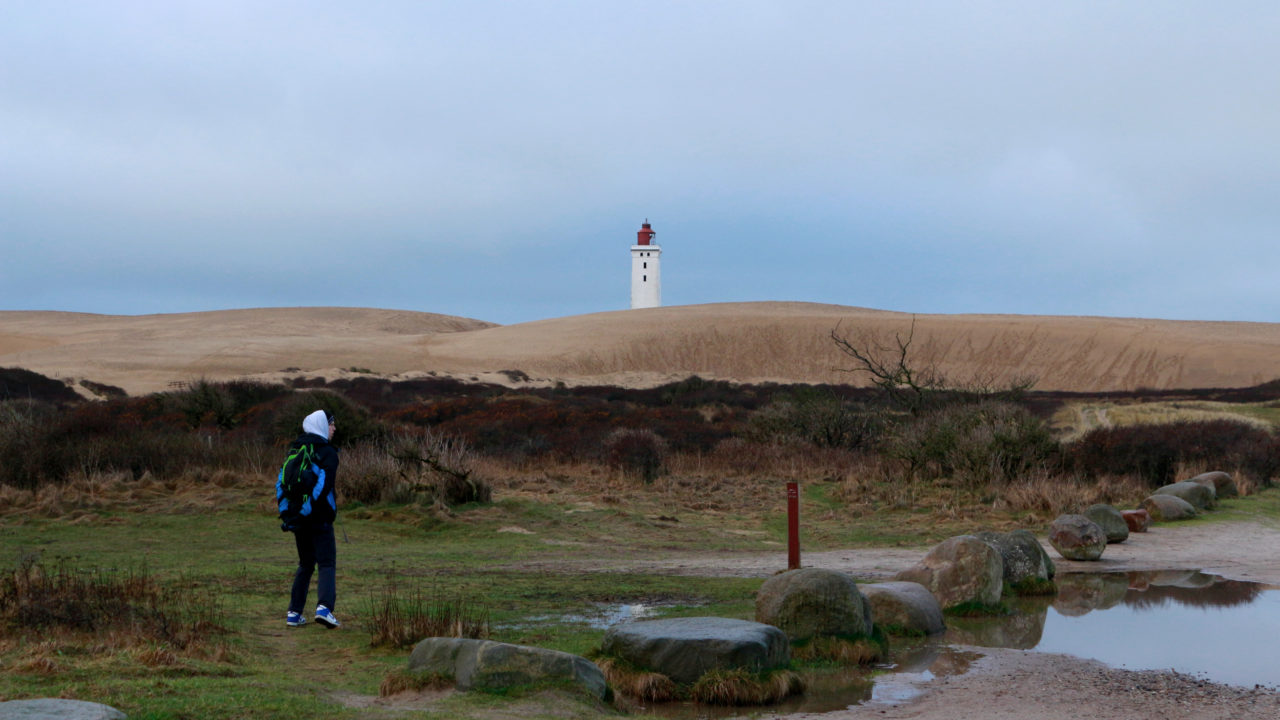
{"type": "Point", "coordinates": [443, 442]}
{"type": "Point", "coordinates": [144, 534]}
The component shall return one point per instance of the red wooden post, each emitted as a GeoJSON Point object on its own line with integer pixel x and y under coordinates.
{"type": "Point", "coordinates": [793, 526]}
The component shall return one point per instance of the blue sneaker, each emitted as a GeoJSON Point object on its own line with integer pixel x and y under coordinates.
{"type": "Point", "coordinates": [326, 618]}
{"type": "Point", "coordinates": [294, 619]}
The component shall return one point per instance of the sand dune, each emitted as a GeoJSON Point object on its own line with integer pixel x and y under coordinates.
{"type": "Point", "coordinates": [749, 342]}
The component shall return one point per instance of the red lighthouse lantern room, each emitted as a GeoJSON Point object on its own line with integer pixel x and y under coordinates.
{"type": "Point", "coordinates": [645, 235]}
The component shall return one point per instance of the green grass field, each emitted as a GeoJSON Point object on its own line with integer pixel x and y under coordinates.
{"type": "Point", "coordinates": [537, 567]}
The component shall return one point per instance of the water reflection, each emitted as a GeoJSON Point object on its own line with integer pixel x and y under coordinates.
{"type": "Point", "coordinates": [1188, 621]}
{"type": "Point", "coordinates": [1187, 588]}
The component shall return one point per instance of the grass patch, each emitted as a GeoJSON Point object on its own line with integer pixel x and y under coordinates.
{"type": "Point", "coordinates": [396, 621]}
{"type": "Point", "coordinates": [401, 681]}
{"type": "Point", "coordinates": [837, 650]}
{"type": "Point", "coordinates": [122, 609]}
{"type": "Point", "coordinates": [635, 683]}
{"type": "Point", "coordinates": [743, 687]}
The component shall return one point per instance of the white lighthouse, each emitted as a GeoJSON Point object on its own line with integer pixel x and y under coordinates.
{"type": "Point", "coordinates": [646, 283]}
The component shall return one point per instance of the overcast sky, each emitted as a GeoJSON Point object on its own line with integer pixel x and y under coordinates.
{"type": "Point", "coordinates": [495, 159]}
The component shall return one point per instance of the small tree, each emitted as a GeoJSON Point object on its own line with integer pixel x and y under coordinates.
{"type": "Point", "coordinates": [904, 384]}
{"type": "Point", "coordinates": [912, 386]}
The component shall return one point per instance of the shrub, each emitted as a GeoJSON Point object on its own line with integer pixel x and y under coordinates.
{"type": "Point", "coordinates": [21, 384]}
{"type": "Point", "coordinates": [1154, 452]}
{"type": "Point", "coordinates": [424, 467]}
{"type": "Point", "coordinates": [355, 422]}
{"type": "Point", "coordinates": [638, 452]}
{"type": "Point", "coordinates": [820, 418]}
{"type": "Point", "coordinates": [980, 443]}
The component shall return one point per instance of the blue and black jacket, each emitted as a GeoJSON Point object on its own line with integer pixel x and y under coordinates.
{"type": "Point", "coordinates": [324, 500]}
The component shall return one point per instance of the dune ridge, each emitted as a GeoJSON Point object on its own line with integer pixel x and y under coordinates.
{"type": "Point", "coordinates": [745, 342]}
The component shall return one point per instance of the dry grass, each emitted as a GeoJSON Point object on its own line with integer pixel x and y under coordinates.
{"type": "Point", "coordinates": [636, 684]}
{"type": "Point", "coordinates": [106, 611]}
{"type": "Point", "coordinates": [85, 496]}
{"type": "Point", "coordinates": [1076, 419]}
{"type": "Point", "coordinates": [397, 621]}
{"type": "Point", "coordinates": [741, 687]}
{"type": "Point", "coordinates": [401, 681]}
{"type": "Point", "coordinates": [1044, 496]}
{"type": "Point", "coordinates": [860, 651]}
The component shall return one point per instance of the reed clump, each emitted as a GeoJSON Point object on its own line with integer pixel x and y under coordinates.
{"type": "Point", "coordinates": [397, 620]}
{"type": "Point", "coordinates": [743, 687]}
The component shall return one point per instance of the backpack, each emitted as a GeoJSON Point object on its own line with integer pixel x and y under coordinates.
{"type": "Point", "coordinates": [300, 481]}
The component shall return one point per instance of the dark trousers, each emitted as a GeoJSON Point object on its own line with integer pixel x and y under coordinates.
{"type": "Point", "coordinates": [316, 547]}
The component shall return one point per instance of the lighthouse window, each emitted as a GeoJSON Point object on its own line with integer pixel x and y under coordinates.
{"type": "Point", "coordinates": [646, 265]}
{"type": "Point", "coordinates": [644, 278]}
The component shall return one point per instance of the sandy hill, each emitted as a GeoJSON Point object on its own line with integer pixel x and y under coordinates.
{"type": "Point", "coordinates": [749, 342]}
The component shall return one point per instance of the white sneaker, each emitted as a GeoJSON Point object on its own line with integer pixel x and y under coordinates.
{"type": "Point", "coordinates": [326, 618]}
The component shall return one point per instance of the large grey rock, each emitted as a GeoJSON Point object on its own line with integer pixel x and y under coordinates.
{"type": "Point", "coordinates": [1223, 484]}
{"type": "Point", "coordinates": [959, 570]}
{"type": "Point", "coordinates": [1201, 497]}
{"type": "Point", "coordinates": [812, 602]}
{"type": "Point", "coordinates": [684, 649]}
{"type": "Point", "coordinates": [484, 664]}
{"type": "Point", "coordinates": [57, 709]}
{"type": "Point", "coordinates": [1076, 537]}
{"type": "Point", "coordinates": [1021, 555]}
{"type": "Point", "coordinates": [904, 605]}
{"type": "Point", "coordinates": [1110, 520]}
{"type": "Point", "coordinates": [1168, 507]}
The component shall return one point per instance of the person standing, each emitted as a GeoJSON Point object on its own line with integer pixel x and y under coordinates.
{"type": "Point", "coordinates": [313, 533]}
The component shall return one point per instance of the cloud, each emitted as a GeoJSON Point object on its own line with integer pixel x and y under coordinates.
{"type": "Point", "coordinates": [942, 158]}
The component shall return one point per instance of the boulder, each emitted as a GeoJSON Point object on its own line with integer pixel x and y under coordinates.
{"type": "Point", "coordinates": [905, 606]}
{"type": "Point", "coordinates": [684, 649]}
{"type": "Point", "coordinates": [1076, 537]}
{"type": "Point", "coordinates": [488, 665]}
{"type": "Point", "coordinates": [1223, 484]}
{"type": "Point", "coordinates": [1168, 507]}
{"type": "Point", "coordinates": [1137, 520]}
{"type": "Point", "coordinates": [1110, 520]}
{"type": "Point", "coordinates": [1202, 497]}
{"type": "Point", "coordinates": [1021, 555]}
{"type": "Point", "coordinates": [959, 570]}
{"type": "Point", "coordinates": [812, 602]}
{"type": "Point", "coordinates": [57, 709]}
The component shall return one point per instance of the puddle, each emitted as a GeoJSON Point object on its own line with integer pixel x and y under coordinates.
{"type": "Point", "coordinates": [1192, 622]}
{"type": "Point", "coordinates": [605, 615]}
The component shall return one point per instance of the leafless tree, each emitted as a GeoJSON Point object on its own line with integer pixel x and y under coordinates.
{"type": "Point", "coordinates": [908, 383]}
{"type": "Point", "coordinates": [889, 367]}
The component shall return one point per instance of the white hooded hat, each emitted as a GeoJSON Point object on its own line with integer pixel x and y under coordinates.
{"type": "Point", "coordinates": [317, 423]}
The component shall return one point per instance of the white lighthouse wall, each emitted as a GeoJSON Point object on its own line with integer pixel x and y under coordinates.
{"type": "Point", "coordinates": [646, 282]}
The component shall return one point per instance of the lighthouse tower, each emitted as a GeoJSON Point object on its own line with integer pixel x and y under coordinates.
{"type": "Point", "coordinates": [646, 283]}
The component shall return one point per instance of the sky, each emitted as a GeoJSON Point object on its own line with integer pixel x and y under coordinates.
{"type": "Point", "coordinates": [494, 160]}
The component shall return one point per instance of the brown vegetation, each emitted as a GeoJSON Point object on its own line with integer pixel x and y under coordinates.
{"type": "Point", "coordinates": [397, 620]}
